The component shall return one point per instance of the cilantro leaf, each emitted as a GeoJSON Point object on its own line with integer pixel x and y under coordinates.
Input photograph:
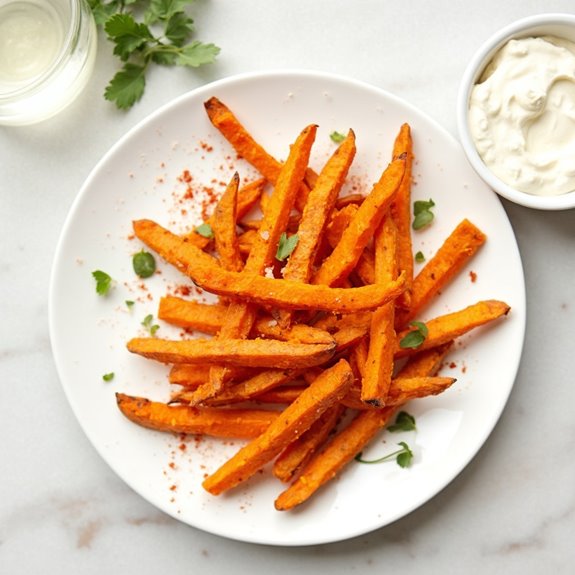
{"type": "Point", "coordinates": [127, 86]}
{"type": "Point", "coordinates": [108, 376]}
{"type": "Point", "coordinates": [419, 257]}
{"type": "Point", "coordinates": [403, 422]}
{"type": "Point", "coordinates": [205, 230]}
{"type": "Point", "coordinates": [415, 337]}
{"type": "Point", "coordinates": [164, 9]}
{"type": "Point", "coordinates": [422, 213]}
{"type": "Point", "coordinates": [286, 246]}
{"type": "Point", "coordinates": [103, 282]}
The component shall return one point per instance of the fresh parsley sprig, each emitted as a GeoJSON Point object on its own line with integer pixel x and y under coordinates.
{"type": "Point", "coordinates": [146, 32]}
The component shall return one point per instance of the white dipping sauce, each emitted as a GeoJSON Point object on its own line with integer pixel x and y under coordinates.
{"type": "Point", "coordinates": [522, 115]}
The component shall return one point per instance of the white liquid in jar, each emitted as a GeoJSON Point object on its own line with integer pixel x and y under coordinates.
{"type": "Point", "coordinates": [31, 36]}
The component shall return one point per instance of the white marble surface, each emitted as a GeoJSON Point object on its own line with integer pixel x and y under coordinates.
{"type": "Point", "coordinates": [512, 510]}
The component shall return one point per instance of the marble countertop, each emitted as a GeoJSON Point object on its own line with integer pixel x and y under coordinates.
{"type": "Point", "coordinates": [512, 510]}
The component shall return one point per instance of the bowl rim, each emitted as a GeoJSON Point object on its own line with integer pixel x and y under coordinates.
{"type": "Point", "coordinates": [476, 65]}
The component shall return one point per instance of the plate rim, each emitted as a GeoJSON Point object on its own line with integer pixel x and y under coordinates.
{"type": "Point", "coordinates": [192, 94]}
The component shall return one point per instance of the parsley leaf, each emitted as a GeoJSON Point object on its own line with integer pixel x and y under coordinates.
{"type": "Point", "coordinates": [286, 246]}
{"type": "Point", "coordinates": [415, 337]}
{"type": "Point", "coordinates": [205, 230]}
{"type": "Point", "coordinates": [422, 213]}
{"type": "Point", "coordinates": [108, 376]}
{"type": "Point", "coordinates": [103, 282]}
{"type": "Point", "coordinates": [419, 257]}
{"type": "Point", "coordinates": [403, 422]}
{"type": "Point", "coordinates": [145, 32]}
{"type": "Point", "coordinates": [127, 34]}
{"type": "Point", "coordinates": [127, 86]}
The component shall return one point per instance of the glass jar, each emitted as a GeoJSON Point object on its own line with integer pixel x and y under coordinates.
{"type": "Point", "coordinates": [47, 54]}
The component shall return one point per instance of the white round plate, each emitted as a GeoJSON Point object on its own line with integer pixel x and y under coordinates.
{"type": "Point", "coordinates": [144, 176]}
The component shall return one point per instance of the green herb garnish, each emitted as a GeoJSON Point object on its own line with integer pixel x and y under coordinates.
{"type": "Point", "coordinates": [415, 337]}
{"type": "Point", "coordinates": [145, 32]}
{"type": "Point", "coordinates": [108, 376]}
{"type": "Point", "coordinates": [419, 257]}
{"type": "Point", "coordinates": [403, 456]}
{"type": "Point", "coordinates": [286, 246]}
{"type": "Point", "coordinates": [130, 303]}
{"type": "Point", "coordinates": [403, 422]}
{"type": "Point", "coordinates": [144, 264]}
{"type": "Point", "coordinates": [149, 324]}
{"type": "Point", "coordinates": [337, 137]}
{"type": "Point", "coordinates": [422, 213]}
{"type": "Point", "coordinates": [103, 282]}
{"type": "Point", "coordinates": [205, 230]}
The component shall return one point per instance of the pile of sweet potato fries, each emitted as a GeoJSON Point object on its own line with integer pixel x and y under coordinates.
{"type": "Point", "coordinates": [292, 345]}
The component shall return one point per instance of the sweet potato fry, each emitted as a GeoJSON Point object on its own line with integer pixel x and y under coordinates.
{"type": "Point", "coordinates": [249, 388]}
{"type": "Point", "coordinates": [401, 212]}
{"type": "Point", "coordinates": [348, 442]}
{"type": "Point", "coordinates": [445, 328]}
{"type": "Point", "coordinates": [319, 205]}
{"type": "Point", "coordinates": [238, 423]}
{"type": "Point", "coordinates": [339, 264]}
{"type": "Point", "coordinates": [191, 314]}
{"type": "Point", "coordinates": [224, 228]}
{"type": "Point", "coordinates": [297, 453]}
{"type": "Point", "coordinates": [238, 352]}
{"type": "Point", "coordinates": [455, 252]}
{"type": "Point", "coordinates": [332, 459]}
{"type": "Point", "coordinates": [205, 271]}
{"type": "Point", "coordinates": [192, 376]}
{"type": "Point", "coordinates": [326, 390]}
{"type": "Point", "coordinates": [402, 389]}
{"type": "Point", "coordinates": [244, 143]}
{"type": "Point", "coordinates": [379, 363]}
{"type": "Point", "coordinates": [241, 316]}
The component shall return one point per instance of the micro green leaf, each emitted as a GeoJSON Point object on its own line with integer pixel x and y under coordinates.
{"type": "Point", "coordinates": [419, 257]}
{"type": "Point", "coordinates": [205, 230]}
{"type": "Point", "coordinates": [337, 137]}
{"type": "Point", "coordinates": [403, 456]}
{"type": "Point", "coordinates": [286, 246]}
{"type": "Point", "coordinates": [108, 376]}
{"type": "Point", "coordinates": [103, 282]}
{"type": "Point", "coordinates": [415, 337]}
{"type": "Point", "coordinates": [422, 213]}
{"type": "Point", "coordinates": [144, 264]}
{"type": "Point", "coordinates": [149, 324]}
{"type": "Point", "coordinates": [403, 422]}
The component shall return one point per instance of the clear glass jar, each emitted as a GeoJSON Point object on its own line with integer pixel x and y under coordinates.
{"type": "Point", "coordinates": [47, 54]}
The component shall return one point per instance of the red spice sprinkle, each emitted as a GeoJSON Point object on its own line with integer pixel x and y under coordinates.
{"type": "Point", "coordinates": [182, 447]}
{"type": "Point", "coordinates": [473, 276]}
{"type": "Point", "coordinates": [172, 465]}
{"type": "Point", "coordinates": [185, 176]}
{"type": "Point", "coordinates": [173, 487]}
{"type": "Point", "coordinates": [452, 365]}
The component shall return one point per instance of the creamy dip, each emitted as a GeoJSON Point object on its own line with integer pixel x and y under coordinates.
{"type": "Point", "coordinates": [522, 115]}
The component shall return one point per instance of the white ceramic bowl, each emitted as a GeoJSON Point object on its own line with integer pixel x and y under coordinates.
{"type": "Point", "coordinates": [561, 25]}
